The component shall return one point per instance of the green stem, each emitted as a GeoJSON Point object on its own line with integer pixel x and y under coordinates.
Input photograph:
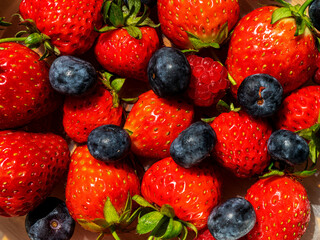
{"type": "Point", "coordinates": [14, 39]}
{"type": "Point", "coordinates": [114, 233]}
{"type": "Point", "coordinates": [304, 6]}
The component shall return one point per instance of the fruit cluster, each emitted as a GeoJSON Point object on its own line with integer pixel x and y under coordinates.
{"type": "Point", "coordinates": [142, 110]}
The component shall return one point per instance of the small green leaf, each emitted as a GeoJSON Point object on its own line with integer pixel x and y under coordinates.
{"type": "Point", "coordinates": [190, 226]}
{"type": "Point", "coordinates": [184, 233]}
{"type": "Point", "coordinates": [149, 222]}
{"type": "Point", "coordinates": [34, 38]}
{"type": "Point", "coordinates": [172, 230]}
{"type": "Point", "coordinates": [167, 210]}
{"type": "Point", "coordinates": [141, 201]}
{"type": "Point", "coordinates": [199, 44]}
{"type": "Point", "coordinates": [110, 213]}
{"type": "Point", "coordinates": [305, 173]}
{"type": "Point", "coordinates": [116, 15]}
{"type": "Point", "coordinates": [280, 13]}
{"type": "Point", "coordinates": [91, 225]}
{"type": "Point", "coordinates": [105, 29]}
{"type": "Point", "coordinates": [117, 84]}
{"type": "Point", "coordinates": [130, 100]}
{"type": "Point", "coordinates": [134, 31]}
{"type": "Point", "coordinates": [105, 10]}
{"type": "Point", "coordinates": [223, 33]}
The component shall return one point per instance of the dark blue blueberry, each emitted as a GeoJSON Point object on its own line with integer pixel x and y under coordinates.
{"type": "Point", "coordinates": [70, 75]}
{"type": "Point", "coordinates": [314, 13]}
{"type": "Point", "coordinates": [109, 143]}
{"type": "Point", "coordinates": [169, 72]}
{"type": "Point", "coordinates": [260, 95]}
{"type": "Point", "coordinates": [232, 219]}
{"type": "Point", "coordinates": [193, 144]}
{"type": "Point", "coordinates": [288, 146]}
{"type": "Point", "coordinates": [50, 221]}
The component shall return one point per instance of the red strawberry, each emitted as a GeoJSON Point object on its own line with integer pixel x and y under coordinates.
{"type": "Point", "coordinates": [31, 165]}
{"type": "Point", "coordinates": [69, 24]}
{"type": "Point", "coordinates": [25, 90]}
{"type": "Point", "coordinates": [83, 114]}
{"type": "Point", "coordinates": [241, 143]}
{"type": "Point", "coordinates": [122, 54]}
{"type": "Point", "coordinates": [192, 192]}
{"type": "Point", "coordinates": [127, 41]}
{"type": "Point", "coordinates": [300, 110]}
{"type": "Point", "coordinates": [258, 45]}
{"type": "Point", "coordinates": [194, 24]}
{"type": "Point", "coordinates": [282, 208]}
{"type": "Point", "coordinates": [90, 182]}
{"type": "Point", "coordinates": [209, 81]}
{"type": "Point", "coordinates": [155, 122]}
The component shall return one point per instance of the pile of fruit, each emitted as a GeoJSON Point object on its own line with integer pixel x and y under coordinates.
{"type": "Point", "coordinates": [143, 109]}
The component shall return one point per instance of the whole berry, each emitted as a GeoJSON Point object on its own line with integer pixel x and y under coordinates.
{"type": "Point", "coordinates": [193, 144]}
{"type": "Point", "coordinates": [314, 13]}
{"type": "Point", "coordinates": [169, 72]}
{"type": "Point", "coordinates": [71, 75]}
{"type": "Point", "coordinates": [282, 208]}
{"type": "Point", "coordinates": [50, 221]}
{"type": "Point", "coordinates": [232, 219]}
{"type": "Point", "coordinates": [109, 143]}
{"type": "Point", "coordinates": [288, 146]}
{"type": "Point", "coordinates": [260, 95]}
{"type": "Point", "coordinates": [209, 81]}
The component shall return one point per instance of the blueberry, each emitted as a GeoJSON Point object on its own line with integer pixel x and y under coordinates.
{"type": "Point", "coordinates": [232, 219]}
{"type": "Point", "coordinates": [193, 144]}
{"type": "Point", "coordinates": [50, 221]}
{"type": "Point", "coordinates": [260, 95]}
{"type": "Point", "coordinates": [288, 146]}
{"type": "Point", "coordinates": [109, 143]}
{"type": "Point", "coordinates": [73, 76]}
{"type": "Point", "coordinates": [169, 72]}
{"type": "Point", "coordinates": [314, 13]}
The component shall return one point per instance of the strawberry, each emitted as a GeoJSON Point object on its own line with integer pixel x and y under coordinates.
{"type": "Point", "coordinates": [31, 165]}
{"type": "Point", "coordinates": [282, 208]}
{"type": "Point", "coordinates": [191, 193]}
{"type": "Point", "coordinates": [25, 90]}
{"type": "Point", "coordinates": [68, 24]}
{"type": "Point", "coordinates": [93, 184]}
{"type": "Point", "coordinates": [263, 42]}
{"type": "Point", "coordinates": [300, 112]}
{"type": "Point", "coordinates": [126, 48]}
{"type": "Point", "coordinates": [241, 143]}
{"type": "Point", "coordinates": [194, 24]}
{"type": "Point", "coordinates": [155, 122]}
{"type": "Point", "coordinates": [209, 81]}
{"type": "Point", "coordinates": [83, 114]}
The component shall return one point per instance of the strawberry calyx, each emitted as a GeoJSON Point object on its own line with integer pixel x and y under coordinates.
{"type": "Point", "coordinates": [114, 84]}
{"type": "Point", "coordinates": [33, 39]}
{"type": "Point", "coordinates": [160, 222]}
{"type": "Point", "coordinates": [298, 12]}
{"type": "Point", "coordinates": [198, 44]}
{"type": "Point", "coordinates": [112, 220]}
{"type": "Point", "coordinates": [116, 15]}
